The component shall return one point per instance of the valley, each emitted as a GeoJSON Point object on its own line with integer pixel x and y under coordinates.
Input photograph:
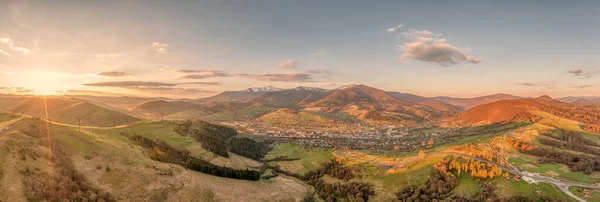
{"type": "Point", "coordinates": [304, 144]}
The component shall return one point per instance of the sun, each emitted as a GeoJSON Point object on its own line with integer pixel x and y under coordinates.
{"type": "Point", "coordinates": [45, 83]}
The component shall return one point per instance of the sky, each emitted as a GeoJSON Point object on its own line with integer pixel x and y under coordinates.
{"type": "Point", "coordinates": [196, 49]}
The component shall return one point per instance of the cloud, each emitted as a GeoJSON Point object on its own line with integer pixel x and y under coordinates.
{"type": "Point", "coordinates": [279, 77]}
{"type": "Point", "coordinates": [172, 89]}
{"type": "Point", "coordinates": [394, 29]}
{"type": "Point", "coordinates": [584, 86]}
{"type": "Point", "coordinates": [187, 71]}
{"type": "Point", "coordinates": [527, 84]}
{"type": "Point", "coordinates": [205, 74]}
{"type": "Point", "coordinates": [129, 84]}
{"type": "Point", "coordinates": [144, 84]}
{"type": "Point", "coordinates": [320, 53]}
{"type": "Point", "coordinates": [17, 89]}
{"type": "Point", "coordinates": [288, 64]}
{"type": "Point", "coordinates": [207, 83]}
{"type": "Point", "coordinates": [11, 45]}
{"type": "Point", "coordinates": [584, 73]}
{"type": "Point", "coordinates": [160, 47]}
{"type": "Point", "coordinates": [426, 46]}
{"type": "Point", "coordinates": [113, 74]}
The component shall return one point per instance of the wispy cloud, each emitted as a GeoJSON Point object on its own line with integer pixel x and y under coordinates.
{"type": "Point", "coordinates": [11, 45]}
{"type": "Point", "coordinates": [144, 84]}
{"type": "Point", "coordinates": [16, 89]}
{"type": "Point", "coordinates": [279, 77]}
{"type": "Point", "coordinates": [395, 28]}
{"type": "Point", "coordinates": [205, 74]}
{"type": "Point", "coordinates": [584, 73]}
{"type": "Point", "coordinates": [160, 47]}
{"type": "Point", "coordinates": [584, 86]}
{"type": "Point", "coordinates": [113, 74]}
{"type": "Point", "coordinates": [528, 84]}
{"type": "Point", "coordinates": [427, 46]}
{"type": "Point", "coordinates": [288, 64]}
{"type": "Point", "coordinates": [188, 71]}
{"type": "Point", "coordinates": [129, 84]}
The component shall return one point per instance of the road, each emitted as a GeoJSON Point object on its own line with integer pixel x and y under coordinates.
{"type": "Point", "coordinates": [10, 123]}
{"type": "Point", "coordinates": [527, 176]}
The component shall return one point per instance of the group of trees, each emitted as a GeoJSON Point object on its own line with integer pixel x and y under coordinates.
{"type": "Point", "coordinates": [436, 188]}
{"type": "Point", "coordinates": [576, 162]}
{"type": "Point", "coordinates": [248, 147]}
{"type": "Point", "coordinates": [332, 192]}
{"type": "Point", "coordinates": [336, 169]}
{"type": "Point", "coordinates": [348, 191]}
{"type": "Point", "coordinates": [441, 184]}
{"type": "Point", "coordinates": [487, 192]}
{"type": "Point", "coordinates": [161, 151]}
{"type": "Point", "coordinates": [474, 168]}
{"type": "Point", "coordinates": [212, 137]}
{"type": "Point", "coordinates": [571, 141]}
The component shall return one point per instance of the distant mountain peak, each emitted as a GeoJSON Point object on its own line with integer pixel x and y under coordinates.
{"type": "Point", "coordinates": [306, 88]}
{"type": "Point", "coordinates": [263, 89]}
{"type": "Point", "coordinates": [544, 97]}
{"type": "Point", "coordinates": [351, 86]}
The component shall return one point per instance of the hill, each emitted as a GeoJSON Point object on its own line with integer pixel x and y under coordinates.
{"type": "Point", "coordinates": [591, 99]}
{"type": "Point", "coordinates": [106, 165]}
{"type": "Point", "coordinates": [526, 110]}
{"type": "Point", "coordinates": [467, 103]}
{"type": "Point", "coordinates": [437, 105]}
{"type": "Point", "coordinates": [290, 97]}
{"type": "Point", "coordinates": [90, 115]}
{"type": "Point", "coordinates": [373, 104]}
{"type": "Point", "coordinates": [231, 96]}
{"type": "Point", "coordinates": [36, 106]}
{"type": "Point", "coordinates": [161, 108]}
{"type": "Point", "coordinates": [68, 110]}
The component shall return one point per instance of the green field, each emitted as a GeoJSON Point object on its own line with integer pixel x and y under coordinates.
{"type": "Point", "coordinates": [508, 187]}
{"type": "Point", "coordinates": [6, 117]}
{"type": "Point", "coordinates": [586, 194]}
{"type": "Point", "coordinates": [467, 187]}
{"type": "Point", "coordinates": [243, 114]}
{"type": "Point", "coordinates": [563, 172]}
{"type": "Point", "coordinates": [310, 159]}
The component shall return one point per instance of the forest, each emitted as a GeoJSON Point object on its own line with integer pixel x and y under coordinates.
{"type": "Point", "coordinates": [331, 192]}
{"type": "Point", "coordinates": [161, 151]}
{"type": "Point", "coordinates": [212, 137]}
{"type": "Point", "coordinates": [346, 191]}
{"type": "Point", "coordinates": [248, 147]}
{"type": "Point", "coordinates": [440, 185]}
{"type": "Point", "coordinates": [586, 163]}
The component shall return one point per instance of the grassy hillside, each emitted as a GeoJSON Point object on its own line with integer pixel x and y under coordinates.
{"type": "Point", "coordinates": [241, 114]}
{"type": "Point", "coordinates": [90, 115]}
{"type": "Point", "coordinates": [116, 165]}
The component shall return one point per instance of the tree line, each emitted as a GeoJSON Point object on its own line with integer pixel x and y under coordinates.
{"type": "Point", "coordinates": [576, 162]}
{"type": "Point", "coordinates": [248, 147]}
{"type": "Point", "coordinates": [347, 191]}
{"type": "Point", "coordinates": [212, 137]}
{"type": "Point", "coordinates": [332, 192]}
{"type": "Point", "coordinates": [440, 185]}
{"type": "Point", "coordinates": [160, 151]}
{"type": "Point", "coordinates": [571, 141]}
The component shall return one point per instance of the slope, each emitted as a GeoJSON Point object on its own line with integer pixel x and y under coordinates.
{"type": "Point", "coordinates": [90, 115]}
{"type": "Point", "coordinates": [467, 103]}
